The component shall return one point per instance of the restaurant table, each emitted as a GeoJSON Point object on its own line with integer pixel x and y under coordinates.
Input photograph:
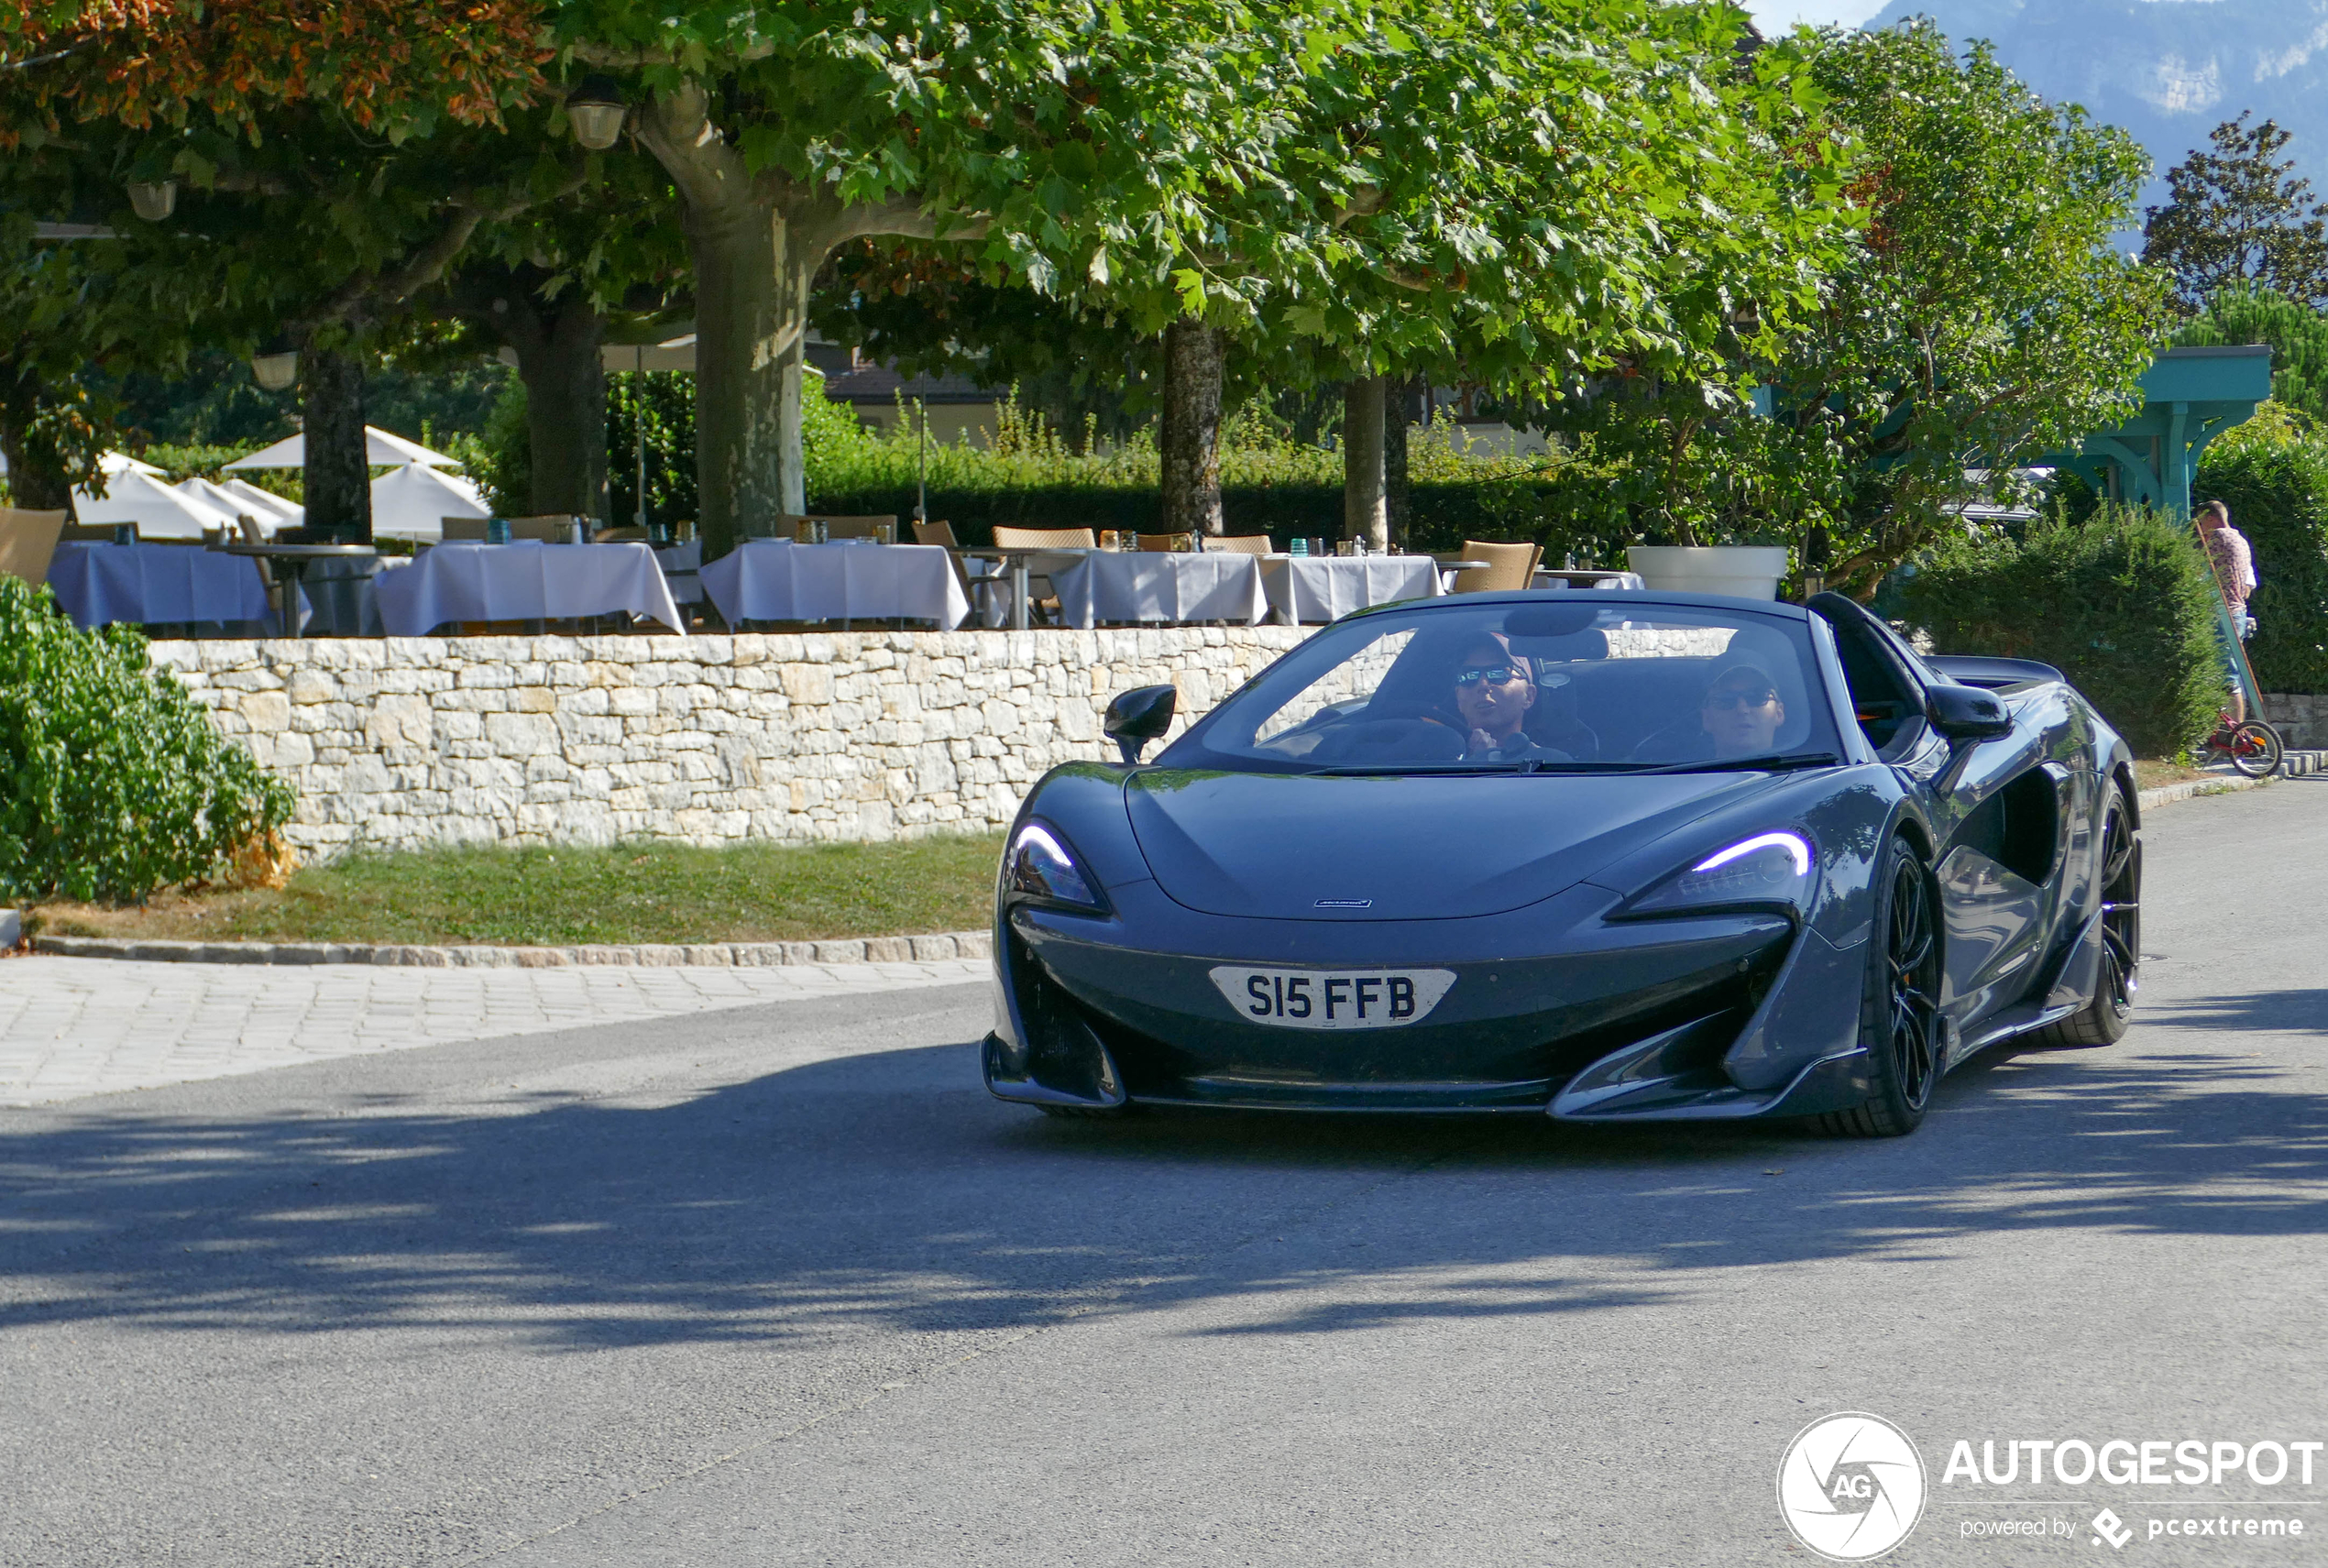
{"type": "Point", "coordinates": [1020, 563]}
{"type": "Point", "coordinates": [291, 562]}
{"type": "Point", "coordinates": [1584, 578]}
{"type": "Point", "coordinates": [524, 580]}
{"type": "Point", "coordinates": [1327, 588]}
{"type": "Point", "coordinates": [1167, 587]}
{"type": "Point", "coordinates": [774, 579]}
{"type": "Point", "coordinates": [146, 584]}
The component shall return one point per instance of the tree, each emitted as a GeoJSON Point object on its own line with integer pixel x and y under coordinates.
{"type": "Point", "coordinates": [1983, 318]}
{"type": "Point", "coordinates": [2296, 332]}
{"type": "Point", "coordinates": [2238, 214]}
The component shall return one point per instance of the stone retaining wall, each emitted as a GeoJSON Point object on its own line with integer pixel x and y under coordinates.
{"type": "Point", "coordinates": [2302, 718]}
{"type": "Point", "coordinates": [875, 735]}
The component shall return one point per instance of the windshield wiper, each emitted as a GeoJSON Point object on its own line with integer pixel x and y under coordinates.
{"type": "Point", "coordinates": [1776, 764]}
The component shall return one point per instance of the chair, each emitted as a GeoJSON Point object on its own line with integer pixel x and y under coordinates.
{"type": "Point", "coordinates": [27, 540]}
{"type": "Point", "coordinates": [1163, 543]}
{"type": "Point", "coordinates": [884, 529]}
{"type": "Point", "coordinates": [938, 533]}
{"type": "Point", "coordinates": [978, 578]}
{"type": "Point", "coordinates": [1509, 566]}
{"type": "Point", "coordinates": [549, 528]}
{"type": "Point", "coordinates": [1237, 544]}
{"type": "Point", "coordinates": [631, 533]}
{"type": "Point", "coordinates": [463, 530]}
{"type": "Point", "coordinates": [1045, 538]}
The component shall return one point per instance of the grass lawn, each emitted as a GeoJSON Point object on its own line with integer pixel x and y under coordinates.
{"type": "Point", "coordinates": [631, 892]}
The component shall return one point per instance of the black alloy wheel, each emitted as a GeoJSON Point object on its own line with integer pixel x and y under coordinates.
{"type": "Point", "coordinates": [1899, 1019]}
{"type": "Point", "coordinates": [2102, 1021]}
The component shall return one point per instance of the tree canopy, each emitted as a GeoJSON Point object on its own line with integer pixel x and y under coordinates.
{"type": "Point", "coordinates": [2241, 215]}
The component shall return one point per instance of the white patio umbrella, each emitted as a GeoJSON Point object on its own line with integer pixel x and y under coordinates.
{"type": "Point", "coordinates": [271, 514]}
{"type": "Point", "coordinates": [159, 511]}
{"type": "Point", "coordinates": [414, 502]}
{"type": "Point", "coordinates": [250, 495]}
{"type": "Point", "coordinates": [382, 449]}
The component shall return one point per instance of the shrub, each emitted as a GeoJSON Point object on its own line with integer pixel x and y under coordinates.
{"type": "Point", "coordinates": [2121, 604]}
{"type": "Point", "coordinates": [2273, 475]}
{"type": "Point", "coordinates": [111, 782]}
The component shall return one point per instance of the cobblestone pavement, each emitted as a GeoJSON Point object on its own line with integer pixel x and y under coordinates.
{"type": "Point", "coordinates": [71, 1027]}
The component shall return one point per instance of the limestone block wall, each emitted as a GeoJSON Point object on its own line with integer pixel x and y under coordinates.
{"type": "Point", "coordinates": [406, 741]}
{"type": "Point", "coordinates": [2302, 718]}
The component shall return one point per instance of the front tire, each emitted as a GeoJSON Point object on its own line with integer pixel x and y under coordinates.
{"type": "Point", "coordinates": [2255, 750]}
{"type": "Point", "coordinates": [1899, 1007]}
{"type": "Point", "coordinates": [2103, 1020]}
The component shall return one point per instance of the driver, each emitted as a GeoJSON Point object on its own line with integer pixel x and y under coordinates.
{"type": "Point", "coordinates": [1741, 713]}
{"type": "Point", "coordinates": [1494, 689]}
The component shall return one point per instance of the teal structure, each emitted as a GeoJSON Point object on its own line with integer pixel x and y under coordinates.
{"type": "Point", "coordinates": [2190, 396]}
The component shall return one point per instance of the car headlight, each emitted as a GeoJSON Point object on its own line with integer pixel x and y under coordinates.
{"type": "Point", "coordinates": [1039, 865]}
{"type": "Point", "coordinates": [1765, 870]}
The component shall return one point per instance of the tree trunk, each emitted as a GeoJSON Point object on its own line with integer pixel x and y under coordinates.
{"type": "Point", "coordinates": [558, 359]}
{"type": "Point", "coordinates": [1401, 407]}
{"type": "Point", "coordinates": [37, 480]}
{"type": "Point", "coordinates": [1190, 428]}
{"type": "Point", "coordinates": [1365, 515]}
{"type": "Point", "coordinates": [339, 478]}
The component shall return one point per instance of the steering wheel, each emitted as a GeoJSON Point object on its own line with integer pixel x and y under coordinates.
{"type": "Point", "coordinates": [1390, 740]}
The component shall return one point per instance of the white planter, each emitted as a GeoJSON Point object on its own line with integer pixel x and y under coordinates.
{"type": "Point", "coordinates": [11, 929]}
{"type": "Point", "coordinates": [1742, 571]}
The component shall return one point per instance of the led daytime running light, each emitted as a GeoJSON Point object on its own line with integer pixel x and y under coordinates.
{"type": "Point", "coordinates": [1792, 843]}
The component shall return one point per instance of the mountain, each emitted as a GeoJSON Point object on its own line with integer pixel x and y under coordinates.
{"type": "Point", "coordinates": [2168, 71]}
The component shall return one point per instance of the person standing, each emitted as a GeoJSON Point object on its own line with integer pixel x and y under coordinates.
{"type": "Point", "coordinates": [2235, 565]}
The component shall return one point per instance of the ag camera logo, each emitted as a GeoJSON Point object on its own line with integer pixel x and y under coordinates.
{"type": "Point", "coordinates": [1850, 1486]}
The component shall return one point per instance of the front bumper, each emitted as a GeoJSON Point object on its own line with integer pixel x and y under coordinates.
{"type": "Point", "coordinates": [1098, 1011]}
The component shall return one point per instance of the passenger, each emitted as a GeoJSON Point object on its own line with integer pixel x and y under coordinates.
{"type": "Point", "coordinates": [1494, 689]}
{"type": "Point", "coordinates": [1741, 713]}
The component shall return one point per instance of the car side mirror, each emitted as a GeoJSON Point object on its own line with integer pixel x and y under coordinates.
{"type": "Point", "coordinates": [1138, 716]}
{"type": "Point", "coordinates": [1967, 713]}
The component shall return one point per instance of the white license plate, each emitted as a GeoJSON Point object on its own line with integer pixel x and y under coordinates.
{"type": "Point", "coordinates": [1332, 999]}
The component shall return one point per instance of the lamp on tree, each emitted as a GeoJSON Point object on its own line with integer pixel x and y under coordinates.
{"type": "Point", "coordinates": [153, 200]}
{"type": "Point", "coordinates": [276, 365]}
{"type": "Point", "coordinates": [595, 109]}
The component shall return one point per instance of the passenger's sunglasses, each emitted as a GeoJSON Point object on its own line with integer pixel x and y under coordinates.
{"type": "Point", "coordinates": [1728, 699]}
{"type": "Point", "coordinates": [1494, 675]}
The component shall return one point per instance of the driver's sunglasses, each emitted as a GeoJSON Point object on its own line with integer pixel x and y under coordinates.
{"type": "Point", "coordinates": [1734, 699]}
{"type": "Point", "coordinates": [1494, 675]}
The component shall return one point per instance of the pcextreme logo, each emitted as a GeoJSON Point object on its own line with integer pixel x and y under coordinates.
{"type": "Point", "coordinates": [1852, 1487]}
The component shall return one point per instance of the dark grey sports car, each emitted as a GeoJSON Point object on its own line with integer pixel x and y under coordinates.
{"type": "Point", "coordinates": [1606, 856]}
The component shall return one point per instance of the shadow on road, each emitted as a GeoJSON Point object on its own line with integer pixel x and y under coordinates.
{"type": "Point", "coordinates": [888, 1188]}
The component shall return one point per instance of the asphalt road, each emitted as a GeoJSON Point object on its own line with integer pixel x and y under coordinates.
{"type": "Point", "coordinates": [781, 1285]}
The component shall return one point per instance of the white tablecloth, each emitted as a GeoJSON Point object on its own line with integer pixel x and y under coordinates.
{"type": "Point", "coordinates": [142, 584]}
{"type": "Point", "coordinates": [1327, 588]}
{"type": "Point", "coordinates": [1109, 584]}
{"type": "Point", "coordinates": [523, 581]}
{"type": "Point", "coordinates": [771, 580]}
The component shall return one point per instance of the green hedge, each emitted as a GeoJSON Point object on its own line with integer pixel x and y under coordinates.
{"type": "Point", "coordinates": [111, 782]}
{"type": "Point", "coordinates": [2123, 604]}
{"type": "Point", "coordinates": [2274, 478]}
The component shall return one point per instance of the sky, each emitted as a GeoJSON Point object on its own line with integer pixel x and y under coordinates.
{"type": "Point", "coordinates": [1778, 16]}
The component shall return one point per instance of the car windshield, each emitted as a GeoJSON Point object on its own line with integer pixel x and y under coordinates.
{"type": "Point", "coordinates": [1581, 685]}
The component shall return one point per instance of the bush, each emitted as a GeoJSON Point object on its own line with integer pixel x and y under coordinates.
{"type": "Point", "coordinates": [1030, 477]}
{"type": "Point", "coordinates": [111, 782]}
{"type": "Point", "coordinates": [2273, 475]}
{"type": "Point", "coordinates": [2121, 604]}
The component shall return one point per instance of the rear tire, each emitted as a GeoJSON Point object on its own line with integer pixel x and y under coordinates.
{"type": "Point", "coordinates": [2102, 1021]}
{"type": "Point", "coordinates": [1899, 1007]}
{"type": "Point", "coordinates": [2255, 750]}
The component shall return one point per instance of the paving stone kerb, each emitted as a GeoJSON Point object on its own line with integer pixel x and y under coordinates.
{"type": "Point", "coordinates": [938, 947]}
{"type": "Point", "coordinates": [405, 741]}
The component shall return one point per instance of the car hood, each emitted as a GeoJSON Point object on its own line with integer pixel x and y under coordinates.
{"type": "Point", "coordinates": [1274, 845]}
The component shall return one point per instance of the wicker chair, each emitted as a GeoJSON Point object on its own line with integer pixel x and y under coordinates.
{"type": "Point", "coordinates": [1165, 543]}
{"type": "Point", "coordinates": [1236, 543]}
{"type": "Point", "coordinates": [1046, 539]}
{"type": "Point", "coordinates": [28, 540]}
{"type": "Point", "coordinates": [884, 529]}
{"type": "Point", "coordinates": [1509, 566]}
